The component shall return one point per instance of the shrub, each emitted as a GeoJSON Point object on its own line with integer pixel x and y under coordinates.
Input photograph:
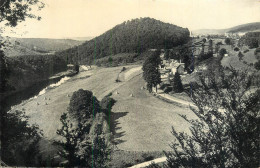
{"type": "Point", "coordinates": [83, 104]}
{"type": "Point", "coordinates": [245, 51]}
{"type": "Point", "coordinates": [228, 41]}
{"type": "Point", "coordinates": [123, 69]}
{"type": "Point", "coordinates": [226, 130]}
{"type": "Point", "coordinates": [107, 103]}
{"type": "Point", "coordinates": [222, 52]}
{"type": "Point", "coordinates": [257, 65]}
{"type": "Point", "coordinates": [236, 49]}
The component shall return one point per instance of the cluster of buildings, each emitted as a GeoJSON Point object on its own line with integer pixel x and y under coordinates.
{"type": "Point", "coordinates": [169, 67]}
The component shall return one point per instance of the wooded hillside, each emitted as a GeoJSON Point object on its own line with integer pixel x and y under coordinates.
{"type": "Point", "coordinates": [135, 36]}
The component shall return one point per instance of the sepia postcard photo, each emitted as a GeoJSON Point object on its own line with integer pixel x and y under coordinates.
{"type": "Point", "coordinates": [130, 83]}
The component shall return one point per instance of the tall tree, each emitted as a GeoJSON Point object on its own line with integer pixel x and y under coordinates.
{"type": "Point", "coordinates": [151, 70]}
{"type": "Point", "coordinates": [226, 131]}
{"type": "Point", "coordinates": [177, 86]}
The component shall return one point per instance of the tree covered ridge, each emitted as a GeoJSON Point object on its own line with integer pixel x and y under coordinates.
{"type": "Point", "coordinates": [133, 36]}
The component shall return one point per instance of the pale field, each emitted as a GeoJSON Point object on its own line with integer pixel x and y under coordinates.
{"type": "Point", "coordinates": [139, 123]}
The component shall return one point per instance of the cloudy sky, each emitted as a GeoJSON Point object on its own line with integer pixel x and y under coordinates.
{"type": "Point", "coordinates": [82, 18]}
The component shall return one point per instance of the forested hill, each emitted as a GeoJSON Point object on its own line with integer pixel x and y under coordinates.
{"type": "Point", "coordinates": [135, 36]}
{"type": "Point", "coordinates": [245, 28]}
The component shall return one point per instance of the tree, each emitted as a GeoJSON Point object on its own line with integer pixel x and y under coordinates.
{"type": "Point", "coordinates": [228, 41]}
{"type": "Point", "coordinates": [210, 49]}
{"type": "Point", "coordinates": [101, 152]}
{"type": "Point", "coordinates": [151, 70]}
{"type": "Point", "coordinates": [75, 147]}
{"type": "Point", "coordinates": [4, 72]}
{"type": "Point", "coordinates": [236, 49]}
{"type": "Point", "coordinates": [167, 54]}
{"type": "Point", "coordinates": [19, 143]}
{"type": "Point", "coordinates": [177, 84]}
{"type": "Point", "coordinates": [240, 56]}
{"type": "Point", "coordinates": [83, 105]}
{"type": "Point", "coordinates": [77, 68]}
{"type": "Point", "coordinates": [20, 139]}
{"type": "Point", "coordinates": [257, 65]}
{"type": "Point", "coordinates": [222, 52]}
{"type": "Point", "coordinates": [226, 130]}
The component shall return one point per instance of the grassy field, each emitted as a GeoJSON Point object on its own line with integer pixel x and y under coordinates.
{"type": "Point", "coordinates": [140, 124]}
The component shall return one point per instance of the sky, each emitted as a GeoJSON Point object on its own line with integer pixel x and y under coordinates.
{"type": "Point", "coordinates": [83, 18]}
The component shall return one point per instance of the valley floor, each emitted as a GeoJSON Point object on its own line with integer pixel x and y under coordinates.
{"type": "Point", "coordinates": [139, 121]}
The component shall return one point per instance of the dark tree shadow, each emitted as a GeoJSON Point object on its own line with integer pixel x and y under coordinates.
{"type": "Point", "coordinates": [115, 129]}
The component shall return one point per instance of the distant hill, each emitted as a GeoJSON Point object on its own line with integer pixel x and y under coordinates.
{"type": "Point", "coordinates": [135, 36]}
{"type": "Point", "coordinates": [209, 31]}
{"type": "Point", "coordinates": [36, 46]}
{"type": "Point", "coordinates": [244, 28]}
{"type": "Point", "coordinates": [82, 38]}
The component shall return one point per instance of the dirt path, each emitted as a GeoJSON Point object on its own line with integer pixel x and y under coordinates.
{"type": "Point", "coordinates": [171, 98]}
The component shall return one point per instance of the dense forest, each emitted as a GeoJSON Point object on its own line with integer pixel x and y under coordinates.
{"type": "Point", "coordinates": [135, 36]}
{"type": "Point", "coordinates": [23, 71]}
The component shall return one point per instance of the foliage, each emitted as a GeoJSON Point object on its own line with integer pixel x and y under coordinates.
{"type": "Point", "coordinates": [177, 86]}
{"type": "Point", "coordinates": [257, 53]}
{"type": "Point", "coordinates": [19, 140]}
{"type": "Point", "coordinates": [166, 54]}
{"type": "Point", "coordinates": [83, 105]}
{"type": "Point", "coordinates": [226, 131]}
{"type": "Point", "coordinates": [240, 56]}
{"type": "Point", "coordinates": [222, 52]}
{"type": "Point", "coordinates": [101, 152]}
{"type": "Point", "coordinates": [205, 56]}
{"type": "Point", "coordinates": [14, 11]}
{"type": "Point", "coordinates": [252, 39]}
{"type": "Point", "coordinates": [257, 65]}
{"type": "Point", "coordinates": [135, 36]}
{"type": "Point", "coordinates": [228, 41]}
{"type": "Point", "coordinates": [210, 48]}
{"type": "Point", "coordinates": [184, 53]}
{"type": "Point", "coordinates": [77, 146]}
{"type": "Point", "coordinates": [236, 49]}
{"type": "Point", "coordinates": [151, 70]}
{"type": "Point", "coordinates": [4, 73]}
{"type": "Point", "coordinates": [76, 149]}
{"type": "Point", "coordinates": [107, 103]}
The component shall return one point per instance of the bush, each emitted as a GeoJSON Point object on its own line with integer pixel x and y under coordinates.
{"type": "Point", "coordinates": [236, 49]}
{"type": "Point", "coordinates": [228, 41]}
{"type": "Point", "coordinates": [123, 69]}
{"type": "Point", "coordinates": [220, 138]}
{"type": "Point", "coordinates": [83, 104]}
{"type": "Point", "coordinates": [222, 52]}
{"type": "Point", "coordinates": [245, 51]}
{"type": "Point", "coordinates": [257, 65]}
{"type": "Point", "coordinates": [107, 103]}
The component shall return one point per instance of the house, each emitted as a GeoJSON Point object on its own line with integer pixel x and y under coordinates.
{"type": "Point", "coordinates": [178, 67]}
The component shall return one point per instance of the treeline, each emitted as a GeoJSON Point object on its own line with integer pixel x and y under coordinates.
{"type": "Point", "coordinates": [245, 28]}
{"type": "Point", "coordinates": [23, 71]}
{"type": "Point", "coordinates": [135, 36]}
{"type": "Point", "coordinates": [251, 39]}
